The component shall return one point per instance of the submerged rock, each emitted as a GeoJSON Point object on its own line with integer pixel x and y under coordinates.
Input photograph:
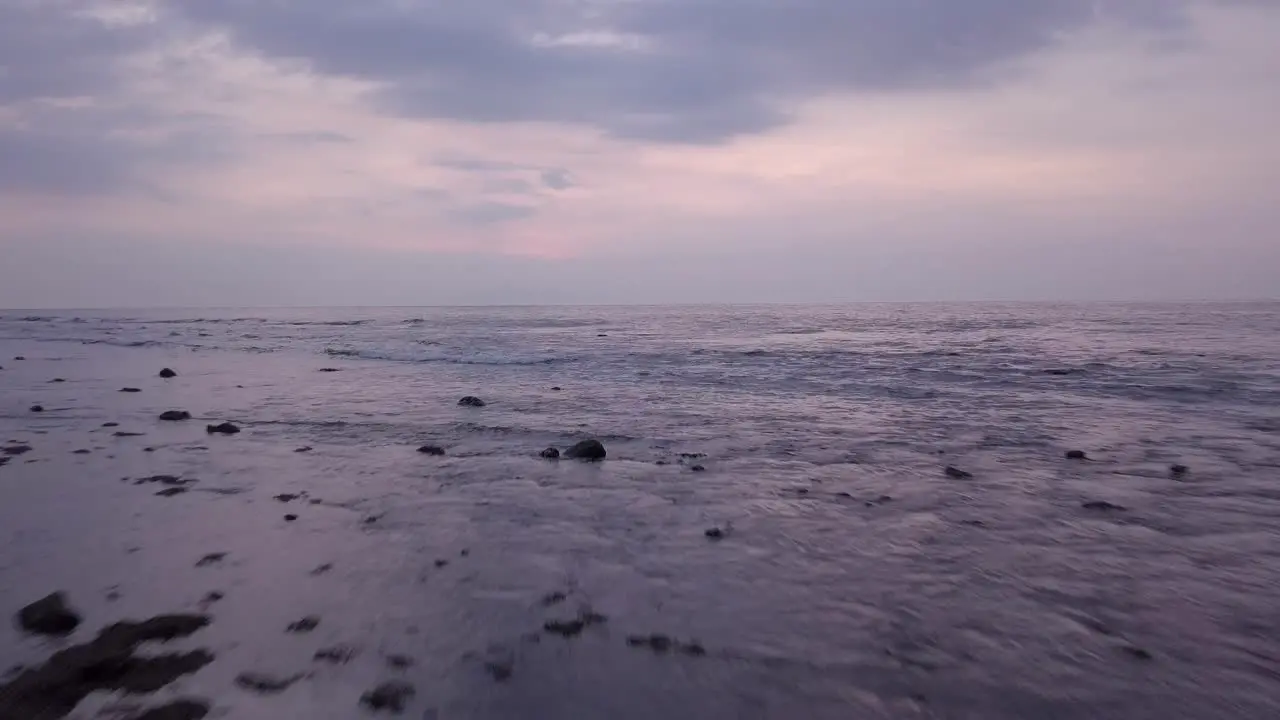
{"type": "Point", "coordinates": [305, 625]}
{"type": "Point", "coordinates": [167, 373]}
{"type": "Point", "coordinates": [287, 497]}
{"type": "Point", "coordinates": [107, 664]}
{"type": "Point", "coordinates": [265, 684]}
{"type": "Point", "coordinates": [131, 390]}
{"type": "Point", "coordinates": [110, 424]}
{"type": "Point", "coordinates": [303, 449]}
{"type": "Point", "coordinates": [37, 408]}
{"type": "Point", "coordinates": [175, 415]}
{"type": "Point", "coordinates": [434, 450]}
{"type": "Point", "coordinates": [49, 616]}
{"type": "Point", "coordinates": [956, 473]}
{"type": "Point", "coordinates": [290, 518]}
{"type": "Point", "coordinates": [330, 370]}
{"type": "Point", "coordinates": [714, 533]}
{"type": "Point", "coordinates": [587, 450]}
{"type": "Point", "coordinates": [1102, 505]}
{"type": "Point", "coordinates": [390, 696]}
{"type": "Point", "coordinates": [16, 449]}
{"type": "Point", "coordinates": [225, 428]}
{"type": "Point", "coordinates": [185, 709]}
{"type": "Point", "coordinates": [1076, 455]}
{"type": "Point", "coordinates": [550, 454]}
{"type": "Point", "coordinates": [471, 401]}
{"type": "Point", "coordinates": [1178, 470]}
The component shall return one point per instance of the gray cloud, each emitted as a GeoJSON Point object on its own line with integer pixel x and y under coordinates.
{"type": "Point", "coordinates": [557, 179]}
{"type": "Point", "coordinates": [699, 71]}
{"type": "Point", "coordinates": [490, 213]}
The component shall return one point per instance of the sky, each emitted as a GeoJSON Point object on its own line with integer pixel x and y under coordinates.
{"type": "Point", "coordinates": [427, 152]}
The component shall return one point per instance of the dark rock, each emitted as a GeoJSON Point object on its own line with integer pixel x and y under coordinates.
{"type": "Point", "coordinates": [225, 428]}
{"type": "Point", "coordinates": [16, 449]}
{"type": "Point", "coordinates": [167, 373]}
{"type": "Point", "coordinates": [110, 424]}
{"type": "Point", "coordinates": [1059, 371]}
{"type": "Point", "coordinates": [1136, 653]}
{"type": "Point", "coordinates": [130, 390]}
{"type": "Point", "coordinates": [211, 559]}
{"type": "Point", "coordinates": [265, 684]}
{"type": "Point", "coordinates": [441, 563]}
{"type": "Point", "coordinates": [127, 434]}
{"type": "Point", "coordinates": [290, 518]}
{"type": "Point", "coordinates": [107, 664]}
{"type": "Point", "coordinates": [175, 415]}
{"type": "Point", "coordinates": [400, 662]}
{"type": "Point", "coordinates": [390, 696]}
{"type": "Point", "coordinates": [306, 448]}
{"type": "Point", "coordinates": [586, 450]}
{"type": "Point", "coordinates": [150, 449]}
{"type": "Point", "coordinates": [1077, 455]}
{"type": "Point", "coordinates": [177, 710]}
{"type": "Point", "coordinates": [19, 358]}
{"type": "Point", "coordinates": [287, 497]}
{"type": "Point", "coordinates": [322, 569]}
{"type": "Point", "coordinates": [58, 380]}
{"type": "Point", "coordinates": [305, 625]}
{"type": "Point", "coordinates": [1178, 470]}
{"type": "Point", "coordinates": [171, 480]}
{"type": "Point", "coordinates": [336, 655]}
{"type": "Point", "coordinates": [550, 454]}
{"type": "Point", "coordinates": [471, 401]}
{"type": "Point", "coordinates": [37, 408]}
{"type": "Point", "coordinates": [659, 643]}
{"type": "Point", "coordinates": [170, 492]}
{"type": "Point", "coordinates": [433, 450]}
{"type": "Point", "coordinates": [714, 533]}
{"type": "Point", "coordinates": [955, 472]}
{"type": "Point", "coordinates": [49, 616]}
{"type": "Point", "coordinates": [567, 628]}
{"type": "Point", "coordinates": [1102, 505]}
{"type": "Point", "coordinates": [330, 370]}
{"type": "Point", "coordinates": [697, 468]}
{"type": "Point", "coordinates": [556, 388]}
{"type": "Point", "coordinates": [692, 456]}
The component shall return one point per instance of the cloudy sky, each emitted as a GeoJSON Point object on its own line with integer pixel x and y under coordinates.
{"type": "Point", "coordinates": [330, 152]}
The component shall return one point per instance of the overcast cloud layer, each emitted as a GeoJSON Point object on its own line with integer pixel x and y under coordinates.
{"type": "Point", "coordinates": [243, 152]}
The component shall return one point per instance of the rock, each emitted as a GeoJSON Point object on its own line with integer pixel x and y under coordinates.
{"type": "Point", "coordinates": [211, 597]}
{"type": "Point", "coordinates": [390, 696]}
{"type": "Point", "coordinates": [567, 628]}
{"type": "Point", "coordinates": [58, 380]}
{"type": "Point", "coordinates": [330, 370]}
{"type": "Point", "coordinates": [49, 616]}
{"type": "Point", "coordinates": [305, 625]}
{"type": "Point", "coordinates": [471, 401]}
{"type": "Point", "coordinates": [500, 668]}
{"type": "Point", "coordinates": [167, 373]}
{"type": "Point", "coordinates": [130, 390]}
{"type": "Point", "coordinates": [304, 449]}
{"type": "Point", "coordinates": [550, 454]}
{"type": "Point", "coordinates": [1135, 652]}
{"type": "Point", "coordinates": [400, 662]}
{"type": "Point", "coordinates": [441, 563]}
{"type": "Point", "coordinates": [1178, 470]}
{"type": "Point", "coordinates": [127, 434]}
{"type": "Point", "coordinates": [170, 492]}
{"type": "Point", "coordinates": [211, 559]}
{"type": "Point", "coordinates": [171, 480]}
{"type": "Point", "coordinates": [175, 415]}
{"type": "Point", "coordinates": [225, 428]}
{"type": "Point", "coordinates": [1102, 505]}
{"type": "Point", "coordinates": [433, 450]}
{"type": "Point", "coordinates": [265, 684]}
{"type": "Point", "coordinates": [290, 518]}
{"type": "Point", "coordinates": [322, 569]}
{"type": "Point", "coordinates": [556, 388]}
{"type": "Point", "coordinates": [714, 533]}
{"type": "Point", "coordinates": [177, 710]}
{"type": "Point", "coordinates": [16, 449]}
{"type": "Point", "coordinates": [287, 497]}
{"type": "Point", "coordinates": [336, 655]}
{"type": "Point", "coordinates": [697, 468]}
{"type": "Point", "coordinates": [1059, 371]}
{"type": "Point", "coordinates": [692, 648]}
{"type": "Point", "coordinates": [18, 358]}
{"type": "Point", "coordinates": [37, 408]}
{"type": "Point", "coordinates": [110, 424]}
{"type": "Point", "coordinates": [553, 598]}
{"type": "Point", "coordinates": [107, 664]}
{"type": "Point", "coordinates": [586, 450]}
{"type": "Point", "coordinates": [1077, 455]}
{"type": "Point", "coordinates": [955, 472]}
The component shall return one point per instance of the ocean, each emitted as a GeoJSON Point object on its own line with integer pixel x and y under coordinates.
{"type": "Point", "coordinates": [774, 532]}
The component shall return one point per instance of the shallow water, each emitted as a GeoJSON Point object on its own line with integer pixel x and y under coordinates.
{"type": "Point", "coordinates": [855, 580]}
